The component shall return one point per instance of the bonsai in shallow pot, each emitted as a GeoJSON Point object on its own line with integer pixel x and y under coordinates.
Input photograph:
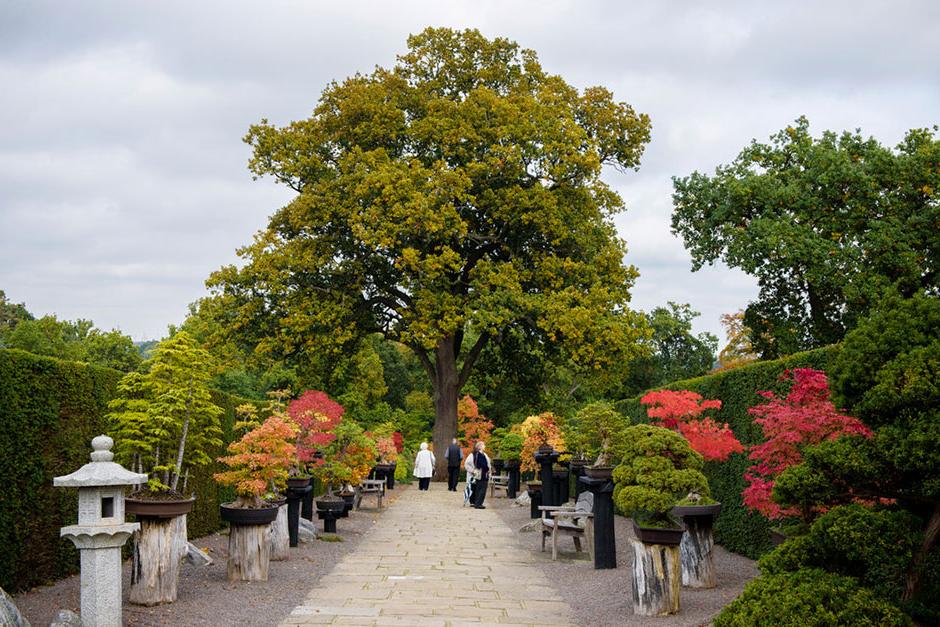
{"type": "Point", "coordinates": [164, 423]}
{"type": "Point", "coordinates": [258, 464]}
{"type": "Point", "coordinates": [347, 460]}
{"type": "Point", "coordinates": [658, 468]}
{"type": "Point", "coordinates": [596, 432]}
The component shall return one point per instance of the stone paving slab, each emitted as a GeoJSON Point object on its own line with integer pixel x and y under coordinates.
{"type": "Point", "coordinates": [429, 561]}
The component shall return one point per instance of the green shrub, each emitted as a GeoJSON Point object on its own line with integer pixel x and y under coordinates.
{"type": "Point", "coordinates": [874, 546]}
{"type": "Point", "coordinates": [659, 468]}
{"type": "Point", "coordinates": [49, 412]}
{"type": "Point", "coordinates": [510, 448]}
{"type": "Point", "coordinates": [736, 528]}
{"type": "Point", "coordinates": [809, 598]}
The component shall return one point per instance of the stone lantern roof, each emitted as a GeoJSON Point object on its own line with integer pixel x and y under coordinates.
{"type": "Point", "coordinates": [101, 471]}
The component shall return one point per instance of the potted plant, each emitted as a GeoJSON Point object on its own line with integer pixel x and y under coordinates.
{"type": "Point", "coordinates": [658, 468]}
{"type": "Point", "coordinates": [387, 453]}
{"type": "Point", "coordinates": [347, 460]}
{"type": "Point", "coordinates": [258, 464]}
{"type": "Point", "coordinates": [164, 423]}
{"type": "Point", "coordinates": [595, 431]}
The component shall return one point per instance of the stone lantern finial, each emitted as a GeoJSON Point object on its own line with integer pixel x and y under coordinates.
{"type": "Point", "coordinates": [102, 449]}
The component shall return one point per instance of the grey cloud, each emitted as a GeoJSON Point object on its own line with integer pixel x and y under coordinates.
{"type": "Point", "coordinates": [122, 172]}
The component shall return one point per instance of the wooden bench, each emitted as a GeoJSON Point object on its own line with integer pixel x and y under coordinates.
{"type": "Point", "coordinates": [577, 522]}
{"type": "Point", "coordinates": [371, 487]}
{"type": "Point", "coordinates": [499, 482]}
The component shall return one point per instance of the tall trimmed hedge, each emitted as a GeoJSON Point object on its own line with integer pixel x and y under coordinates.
{"type": "Point", "coordinates": [49, 412]}
{"type": "Point", "coordinates": [738, 529]}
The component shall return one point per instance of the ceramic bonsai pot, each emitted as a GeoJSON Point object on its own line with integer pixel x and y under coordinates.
{"type": "Point", "coordinates": [330, 504]}
{"type": "Point", "coordinates": [245, 516]}
{"type": "Point", "coordinates": [658, 535]}
{"type": "Point", "coordinates": [703, 511]}
{"type": "Point", "coordinates": [298, 483]}
{"type": "Point", "coordinates": [599, 472]}
{"type": "Point", "coordinates": [146, 508]}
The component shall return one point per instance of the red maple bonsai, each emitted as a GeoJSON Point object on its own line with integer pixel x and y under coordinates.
{"type": "Point", "coordinates": [316, 416]}
{"type": "Point", "coordinates": [680, 410]}
{"type": "Point", "coordinates": [806, 416]}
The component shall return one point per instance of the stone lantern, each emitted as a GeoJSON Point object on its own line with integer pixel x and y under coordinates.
{"type": "Point", "coordinates": [101, 530]}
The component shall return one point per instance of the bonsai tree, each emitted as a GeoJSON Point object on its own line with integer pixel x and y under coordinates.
{"type": "Point", "coordinates": [495, 441]}
{"type": "Point", "coordinates": [387, 445]}
{"type": "Point", "coordinates": [259, 461]}
{"type": "Point", "coordinates": [348, 459]}
{"type": "Point", "coordinates": [806, 416]}
{"type": "Point", "coordinates": [163, 419]}
{"type": "Point", "coordinates": [510, 447]}
{"type": "Point", "coordinates": [599, 429]}
{"type": "Point", "coordinates": [472, 426]}
{"type": "Point", "coordinates": [658, 469]}
{"type": "Point", "coordinates": [537, 431]}
{"type": "Point", "coordinates": [316, 416]}
{"type": "Point", "coordinates": [681, 410]}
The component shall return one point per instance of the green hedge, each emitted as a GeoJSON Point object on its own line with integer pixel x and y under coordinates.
{"type": "Point", "coordinates": [49, 412]}
{"type": "Point", "coordinates": [738, 529]}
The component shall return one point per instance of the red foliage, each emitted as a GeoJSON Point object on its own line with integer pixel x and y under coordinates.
{"type": "Point", "coordinates": [317, 416]}
{"type": "Point", "coordinates": [671, 407]}
{"type": "Point", "coordinates": [399, 441]}
{"type": "Point", "coordinates": [679, 410]}
{"type": "Point", "coordinates": [472, 426]}
{"type": "Point", "coordinates": [805, 417]}
{"type": "Point", "coordinates": [713, 441]}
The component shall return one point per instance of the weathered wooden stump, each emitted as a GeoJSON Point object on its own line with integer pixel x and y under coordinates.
{"type": "Point", "coordinates": [279, 536]}
{"type": "Point", "coordinates": [249, 552]}
{"type": "Point", "coordinates": [656, 578]}
{"type": "Point", "coordinates": [698, 569]}
{"type": "Point", "coordinates": [158, 548]}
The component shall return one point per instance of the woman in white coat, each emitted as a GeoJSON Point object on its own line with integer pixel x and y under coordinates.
{"type": "Point", "coordinates": [424, 466]}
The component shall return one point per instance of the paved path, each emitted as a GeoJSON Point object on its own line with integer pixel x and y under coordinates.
{"type": "Point", "coordinates": [429, 561]}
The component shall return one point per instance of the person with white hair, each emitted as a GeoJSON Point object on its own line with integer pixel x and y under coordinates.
{"type": "Point", "coordinates": [424, 466]}
{"type": "Point", "coordinates": [481, 475]}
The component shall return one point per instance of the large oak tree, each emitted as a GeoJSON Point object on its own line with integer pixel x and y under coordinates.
{"type": "Point", "coordinates": [825, 224]}
{"type": "Point", "coordinates": [443, 202]}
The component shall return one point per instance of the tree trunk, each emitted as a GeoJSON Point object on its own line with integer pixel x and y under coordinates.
{"type": "Point", "coordinates": [446, 389]}
{"type": "Point", "coordinates": [279, 536]}
{"type": "Point", "coordinates": [698, 570]}
{"type": "Point", "coordinates": [913, 582]}
{"type": "Point", "coordinates": [158, 548]}
{"type": "Point", "coordinates": [249, 553]}
{"type": "Point", "coordinates": [656, 578]}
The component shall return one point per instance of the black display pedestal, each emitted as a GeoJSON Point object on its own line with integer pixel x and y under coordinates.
{"type": "Point", "coordinates": [329, 519]}
{"type": "Point", "coordinates": [294, 497]}
{"type": "Point", "coordinates": [577, 471]}
{"type": "Point", "coordinates": [513, 488]}
{"type": "Point", "coordinates": [535, 501]}
{"type": "Point", "coordinates": [546, 458]}
{"type": "Point", "coordinates": [307, 504]}
{"type": "Point", "coordinates": [605, 550]}
{"type": "Point", "coordinates": [560, 479]}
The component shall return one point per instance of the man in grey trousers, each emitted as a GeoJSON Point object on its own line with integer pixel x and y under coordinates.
{"type": "Point", "coordinates": [453, 455]}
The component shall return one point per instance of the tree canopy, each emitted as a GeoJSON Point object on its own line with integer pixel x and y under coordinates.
{"type": "Point", "coordinates": [824, 224]}
{"type": "Point", "coordinates": [456, 195]}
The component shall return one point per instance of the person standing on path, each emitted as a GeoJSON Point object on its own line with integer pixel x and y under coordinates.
{"type": "Point", "coordinates": [424, 466]}
{"type": "Point", "coordinates": [454, 456]}
{"type": "Point", "coordinates": [481, 464]}
{"type": "Point", "coordinates": [471, 479]}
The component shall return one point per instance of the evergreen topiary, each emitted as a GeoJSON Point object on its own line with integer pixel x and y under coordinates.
{"type": "Point", "coordinates": [510, 448]}
{"type": "Point", "coordinates": [659, 468]}
{"type": "Point", "coordinates": [809, 598]}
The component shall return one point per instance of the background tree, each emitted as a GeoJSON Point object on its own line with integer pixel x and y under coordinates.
{"type": "Point", "coordinates": [11, 314]}
{"type": "Point", "coordinates": [739, 350]}
{"type": "Point", "coordinates": [455, 195]}
{"type": "Point", "coordinates": [824, 224]}
{"type": "Point", "coordinates": [675, 353]}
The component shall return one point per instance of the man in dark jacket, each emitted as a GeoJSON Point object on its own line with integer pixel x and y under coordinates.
{"type": "Point", "coordinates": [482, 464]}
{"type": "Point", "coordinates": [454, 456]}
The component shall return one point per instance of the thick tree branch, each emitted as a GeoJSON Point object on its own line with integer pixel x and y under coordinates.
{"type": "Point", "coordinates": [471, 359]}
{"type": "Point", "coordinates": [425, 361]}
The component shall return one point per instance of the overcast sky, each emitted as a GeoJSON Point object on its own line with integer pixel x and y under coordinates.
{"type": "Point", "coordinates": [123, 179]}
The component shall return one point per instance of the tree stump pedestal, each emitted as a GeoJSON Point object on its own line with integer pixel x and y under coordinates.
{"type": "Point", "coordinates": [249, 553]}
{"type": "Point", "coordinates": [159, 547]}
{"type": "Point", "coordinates": [656, 578]}
{"type": "Point", "coordinates": [279, 536]}
{"type": "Point", "coordinates": [698, 569]}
